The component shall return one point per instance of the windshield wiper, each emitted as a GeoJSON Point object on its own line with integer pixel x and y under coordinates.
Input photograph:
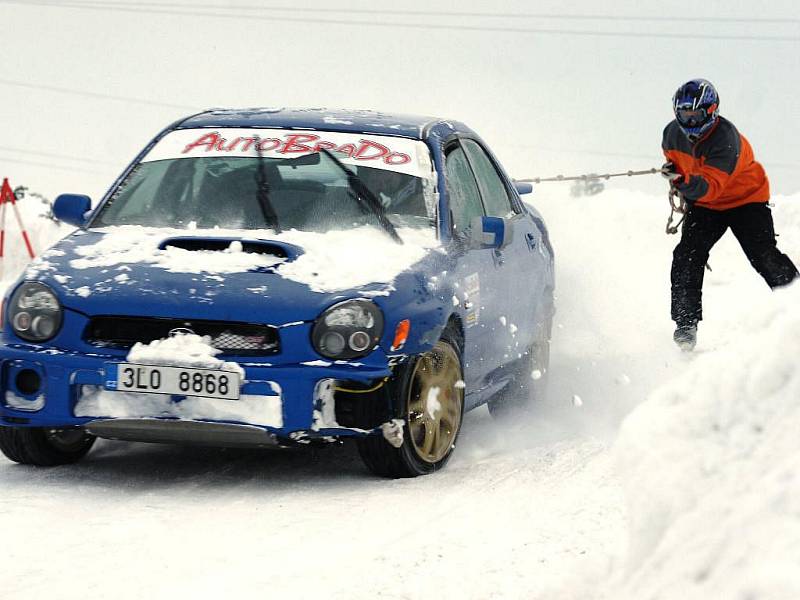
{"type": "Point", "coordinates": [262, 191]}
{"type": "Point", "coordinates": [365, 197]}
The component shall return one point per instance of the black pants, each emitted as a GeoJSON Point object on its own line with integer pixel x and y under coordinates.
{"type": "Point", "coordinates": [752, 226]}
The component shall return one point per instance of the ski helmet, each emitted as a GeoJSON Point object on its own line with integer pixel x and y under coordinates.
{"type": "Point", "coordinates": [696, 106]}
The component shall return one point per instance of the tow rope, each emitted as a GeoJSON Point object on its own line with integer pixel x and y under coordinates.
{"type": "Point", "coordinates": [676, 206]}
{"type": "Point", "coordinates": [592, 176]}
{"type": "Point", "coordinates": [676, 203]}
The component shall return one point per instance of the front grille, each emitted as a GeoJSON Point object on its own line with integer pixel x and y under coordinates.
{"type": "Point", "coordinates": [230, 338]}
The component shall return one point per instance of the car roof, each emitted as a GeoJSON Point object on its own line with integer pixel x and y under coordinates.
{"type": "Point", "coordinates": [348, 121]}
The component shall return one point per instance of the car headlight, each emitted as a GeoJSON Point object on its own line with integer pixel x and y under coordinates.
{"type": "Point", "coordinates": [34, 312]}
{"type": "Point", "coordinates": [348, 330]}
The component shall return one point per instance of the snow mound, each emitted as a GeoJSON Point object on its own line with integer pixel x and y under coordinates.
{"type": "Point", "coordinates": [711, 466]}
{"type": "Point", "coordinates": [182, 350]}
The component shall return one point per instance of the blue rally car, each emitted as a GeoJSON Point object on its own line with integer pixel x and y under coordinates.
{"type": "Point", "coordinates": [273, 277]}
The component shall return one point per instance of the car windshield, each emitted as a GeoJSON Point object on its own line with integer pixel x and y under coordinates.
{"type": "Point", "coordinates": [202, 179]}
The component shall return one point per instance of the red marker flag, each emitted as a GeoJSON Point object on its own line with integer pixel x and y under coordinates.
{"type": "Point", "coordinates": [7, 197]}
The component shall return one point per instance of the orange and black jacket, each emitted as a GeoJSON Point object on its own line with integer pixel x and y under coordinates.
{"type": "Point", "coordinates": [719, 170]}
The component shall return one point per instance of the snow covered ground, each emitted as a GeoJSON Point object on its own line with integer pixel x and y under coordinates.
{"type": "Point", "coordinates": [646, 474]}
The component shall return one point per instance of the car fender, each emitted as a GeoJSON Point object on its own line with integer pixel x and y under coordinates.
{"type": "Point", "coordinates": [426, 301]}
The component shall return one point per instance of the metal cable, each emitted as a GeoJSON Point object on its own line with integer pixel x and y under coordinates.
{"type": "Point", "coordinates": [424, 26]}
{"type": "Point", "coordinates": [439, 13]}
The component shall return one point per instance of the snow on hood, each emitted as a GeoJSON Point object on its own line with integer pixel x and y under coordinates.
{"type": "Point", "coordinates": [332, 261]}
{"type": "Point", "coordinates": [340, 260]}
{"type": "Point", "coordinates": [135, 244]}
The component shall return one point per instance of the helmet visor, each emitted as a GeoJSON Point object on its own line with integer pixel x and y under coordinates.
{"type": "Point", "coordinates": [691, 117]}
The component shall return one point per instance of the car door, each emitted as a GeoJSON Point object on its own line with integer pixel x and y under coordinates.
{"type": "Point", "coordinates": [520, 265]}
{"type": "Point", "coordinates": [475, 273]}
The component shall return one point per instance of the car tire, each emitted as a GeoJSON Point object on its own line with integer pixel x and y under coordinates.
{"type": "Point", "coordinates": [528, 383]}
{"type": "Point", "coordinates": [431, 420]}
{"type": "Point", "coordinates": [45, 447]}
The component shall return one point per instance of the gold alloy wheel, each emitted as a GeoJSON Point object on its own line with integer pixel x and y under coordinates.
{"type": "Point", "coordinates": [435, 402]}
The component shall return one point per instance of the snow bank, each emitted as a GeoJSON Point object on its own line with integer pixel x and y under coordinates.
{"type": "Point", "coordinates": [711, 466]}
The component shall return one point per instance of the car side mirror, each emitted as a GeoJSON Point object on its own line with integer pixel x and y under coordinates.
{"type": "Point", "coordinates": [523, 188]}
{"type": "Point", "coordinates": [72, 209]}
{"type": "Point", "coordinates": [490, 232]}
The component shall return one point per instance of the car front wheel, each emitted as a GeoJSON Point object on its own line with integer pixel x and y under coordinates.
{"type": "Point", "coordinates": [430, 391]}
{"type": "Point", "coordinates": [44, 447]}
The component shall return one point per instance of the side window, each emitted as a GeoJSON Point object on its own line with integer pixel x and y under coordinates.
{"type": "Point", "coordinates": [465, 200]}
{"type": "Point", "coordinates": [495, 194]}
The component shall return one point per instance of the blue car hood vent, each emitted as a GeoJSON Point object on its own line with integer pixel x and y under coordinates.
{"type": "Point", "coordinates": [142, 287]}
{"type": "Point", "coordinates": [217, 244]}
{"type": "Point", "coordinates": [227, 276]}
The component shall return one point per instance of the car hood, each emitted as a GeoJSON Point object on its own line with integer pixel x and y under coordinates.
{"type": "Point", "coordinates": [222, 275]}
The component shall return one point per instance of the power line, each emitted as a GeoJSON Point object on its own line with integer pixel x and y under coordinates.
{"type": "Point", "coordinates": [649, 157]}
{"type": "Point", "coordinates": [654, 156]}
{"type": "Point", "coordinates": [436, 13]}
{"type": "Point", "coordinates": [57, 156]}
{"type": "Point", "coordinates": [3, 159]}
{"type": "Point", "coordinates": [74, 92]}
{"type": "Point", "coordinates": [422, 26]}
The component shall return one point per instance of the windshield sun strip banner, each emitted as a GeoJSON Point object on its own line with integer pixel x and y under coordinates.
{"type": "Point", "coordinates": [401, 155]}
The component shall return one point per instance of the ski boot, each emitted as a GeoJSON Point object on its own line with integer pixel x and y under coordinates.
{"type": "Point", "coordinates": [686, 336]}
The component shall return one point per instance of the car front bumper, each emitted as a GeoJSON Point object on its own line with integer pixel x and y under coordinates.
{"type": "Point", "coordinates": [285, 402]}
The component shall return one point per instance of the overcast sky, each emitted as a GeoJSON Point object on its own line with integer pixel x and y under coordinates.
{"type": "Point", "coordinates": [552, 88]}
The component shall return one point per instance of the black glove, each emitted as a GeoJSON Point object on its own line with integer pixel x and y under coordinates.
{"type": "Point", "coordinates": [668, 171]}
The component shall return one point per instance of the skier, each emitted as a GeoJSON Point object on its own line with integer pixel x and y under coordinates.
{"type": "Point", "coordinates": [712, 168]}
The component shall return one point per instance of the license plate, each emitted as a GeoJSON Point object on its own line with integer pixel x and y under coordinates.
{"type": "Point", "coordinates": [183, 381]}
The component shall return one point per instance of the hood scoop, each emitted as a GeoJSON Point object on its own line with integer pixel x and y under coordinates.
{"type": "Point", "coordinates": [223, 244]}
